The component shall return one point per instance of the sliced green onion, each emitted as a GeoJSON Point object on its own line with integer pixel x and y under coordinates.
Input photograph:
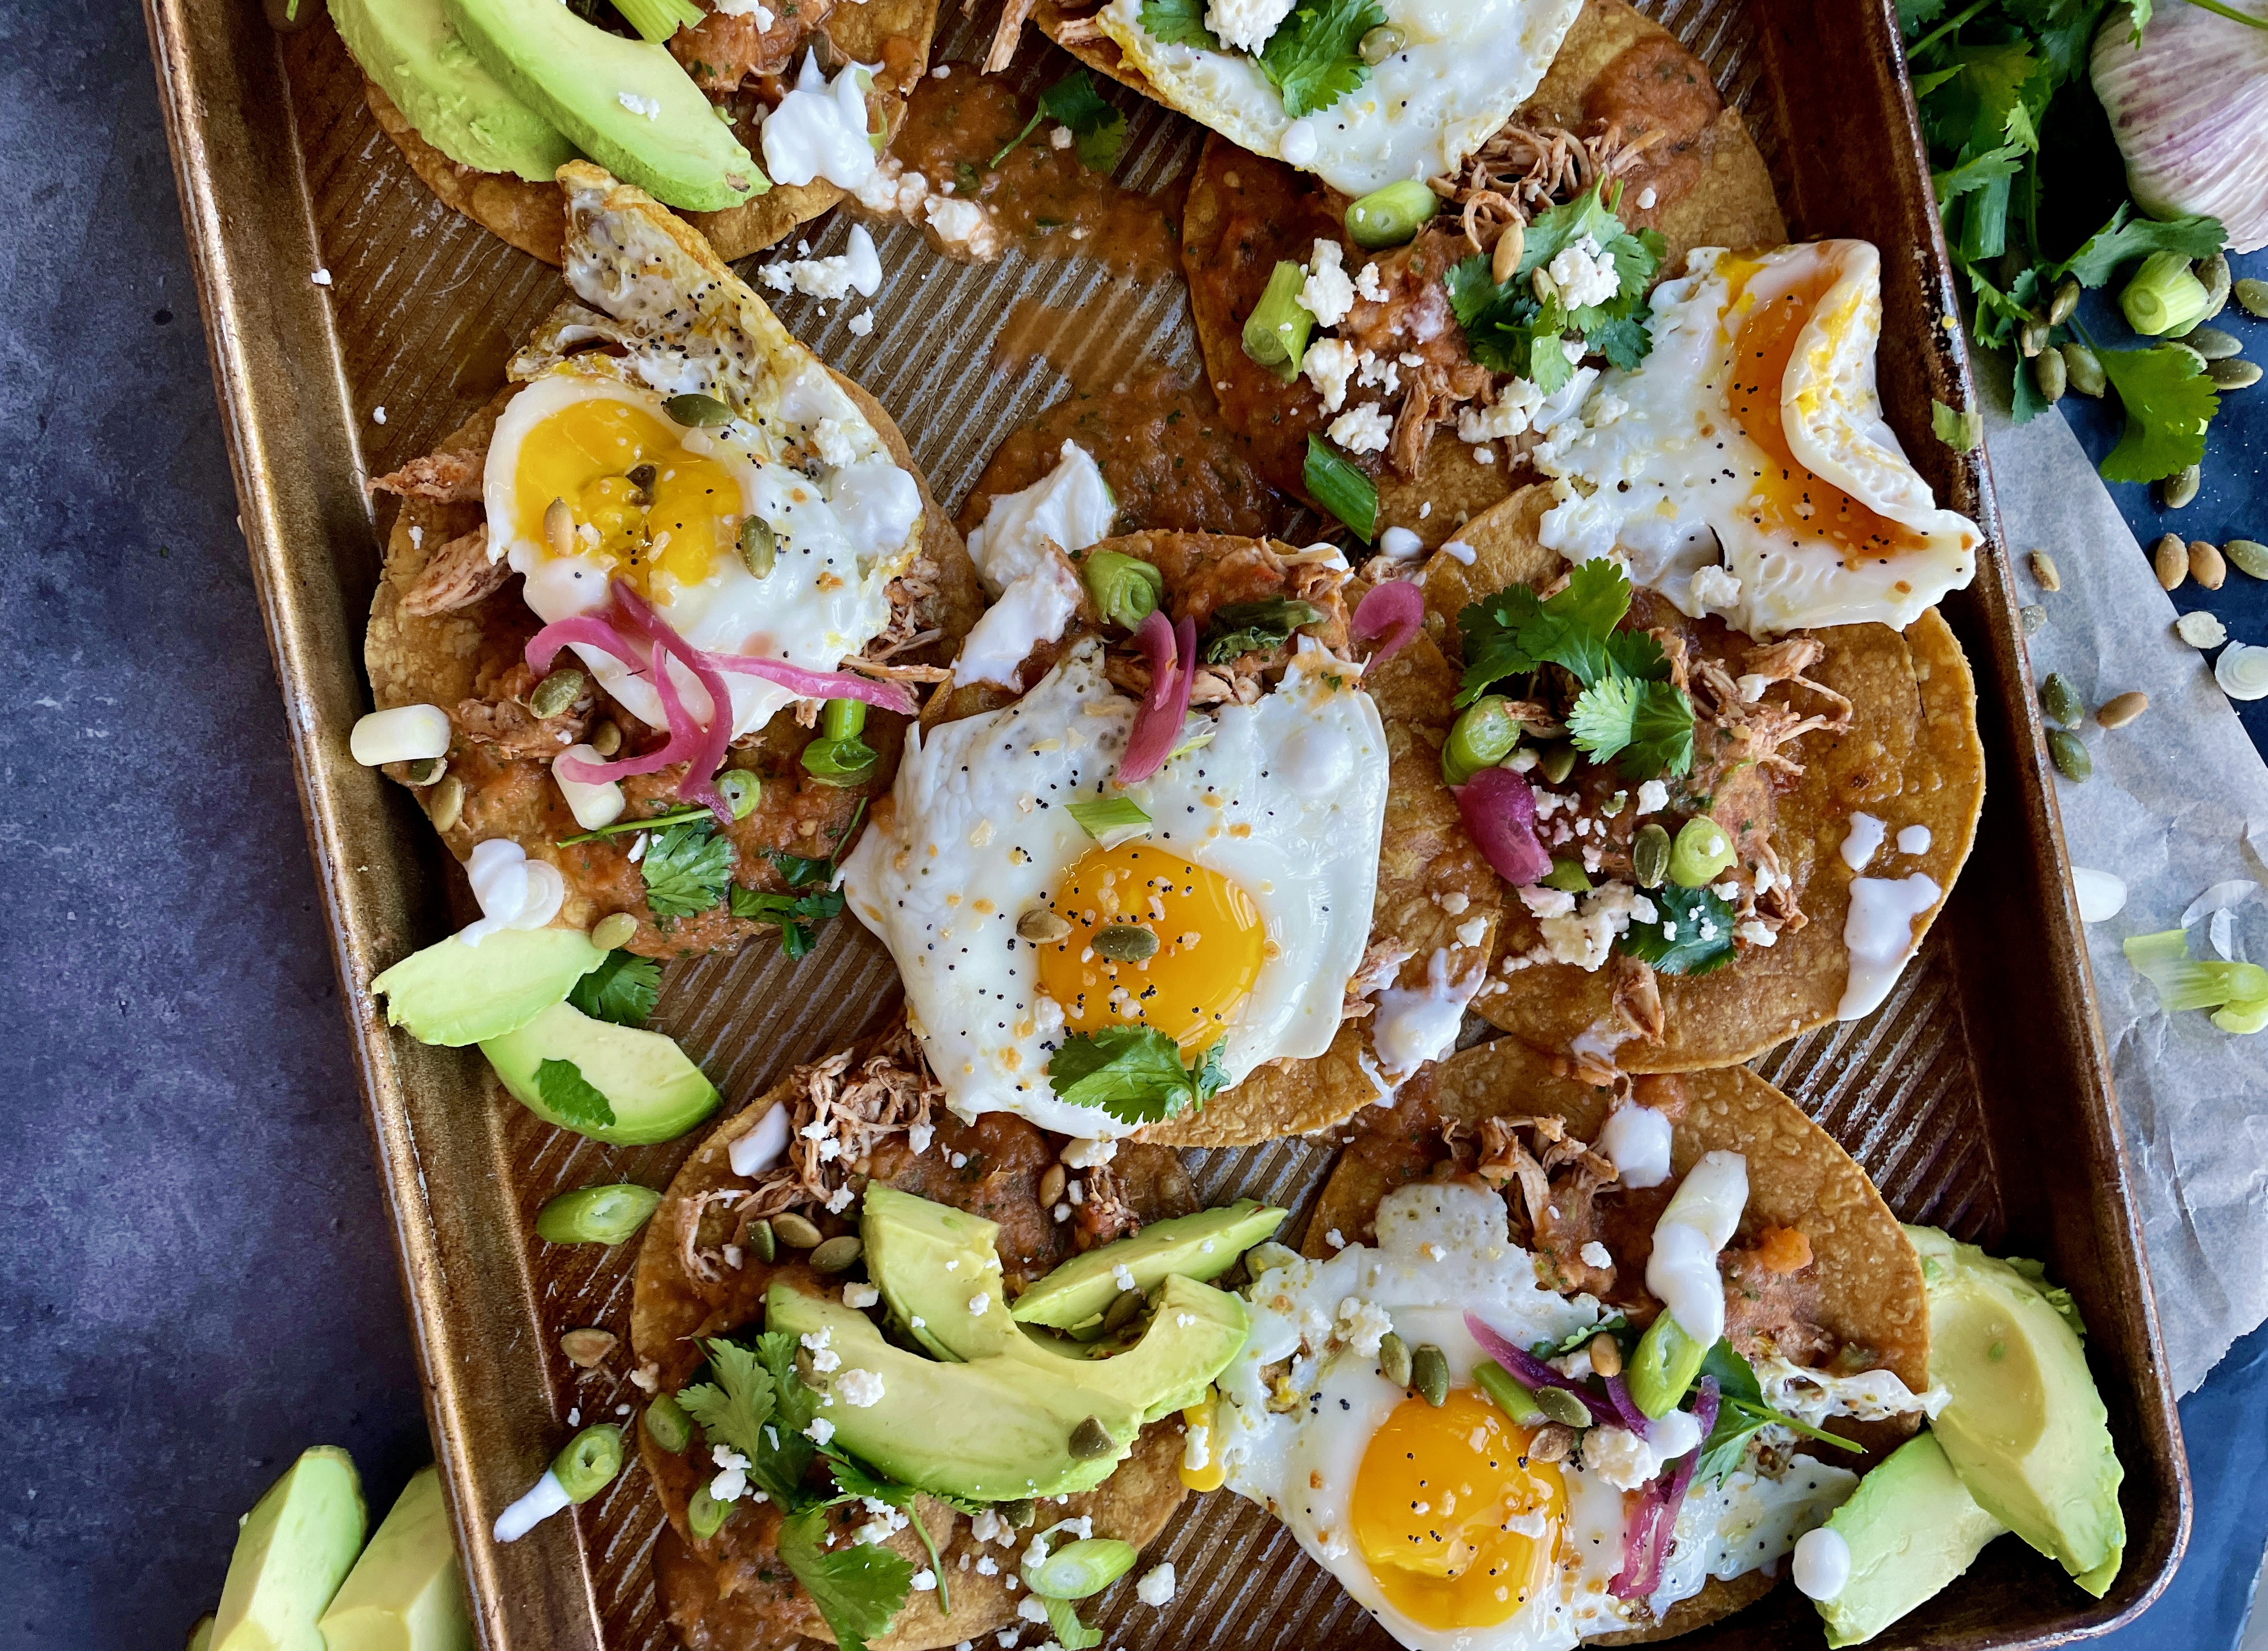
{"type": "Point", "coordinates": [1662, 1367]}
{"type": "Point", "coordinates": [2245, 1015]}
{"type": "Point", "coordinates": [1482, 736]}
{"type": "Point", "coordinates": [1125, 588]}
{"type": "Point", "coordinates": [839, 762]}
{"type": "Point", "coordinates": [658, 19]}
{"type": "Point", "coordinates": [1702, 852]}
{"type": "Point", "coordinates": [2184, 983]}
{"type": "Point", "coordinates": [667, 1424]}
{"type": "Point", "coordinates": [1062, 1622]}
{"type": "Point", "coordinates": [597, 1215]}
{"type": "Point", "coordinates": [1567, 875]}
{"type": "Point", "coordinates": [705, 1513]}
{"type": "Point", "coordinates": [589, 1463]}
{"type": "Point", "coordinates": [843, 718]}
{"type": "Point", "coordinates": [1110, 821]}
{"type": "Point", "coordinates": [1509, 1394]}
{"type": "Point", "coordinates": [1391, 216]}
{"type": "Point", "coordinates": [742, 791]}
{"type": "Point", "coordinates": [1275, 332]}
{"type": "Point", "coordinates": [2147, 951]}
{"type": "Point", "coordinates": [2164, 296]}
{"type": "Point", "coordinates": [1081, 1569]}
{"type": "Point", "coordinates": [1340, 486]}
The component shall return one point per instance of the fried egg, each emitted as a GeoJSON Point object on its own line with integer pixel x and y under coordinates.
{"type": "Point", "coordinates": [661, 505]}
{"type": "Point", "coordinates": [1464, 66]}
{"type": "Point", "coordinates": [1744, 467]}
{"type": "Point", "coordinates": [1436, 1518]}
{"type": "Point", "coordinates": [1255, 878]}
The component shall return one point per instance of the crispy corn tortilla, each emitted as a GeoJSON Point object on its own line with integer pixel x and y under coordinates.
{"type": "Point", "coordinates": [672, 1304]}
{"type": "Point", "coordinates": [1870, 1282]}
{"type": "Point", "coordinates": [1911, 757]}
{"type": "Point", "coordinates": [896, 33]}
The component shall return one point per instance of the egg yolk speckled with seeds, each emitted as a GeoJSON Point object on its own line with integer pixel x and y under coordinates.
{"type": "Point", "coordinates": [1457, 1525]}
{"type": "Point", "coordinates": [1210, 946]}
{"type": "Point", "coordinates": [674, 518]}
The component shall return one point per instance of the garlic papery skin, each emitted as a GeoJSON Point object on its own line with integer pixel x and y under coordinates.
{"type": "Point", "coordinates": [2190, 107]}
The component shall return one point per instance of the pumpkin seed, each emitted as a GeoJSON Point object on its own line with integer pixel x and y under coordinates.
{"type": "Point", "coordinates": [2214, 344]}
{"type": "Point", "coordinates": [1125, 942]}
{"type": "Point", "coordinates": [759, 546]}
{"type": "Point", "coordinates": [2214, 273]}
{"type": "Point", "coordinates": [559, 528]}
{"type": "Point", "coordinates": [425, 770]}
{"type": "Point", "coordinates": [2252, 293]}
{"type": "Point", "coordinates": [2033, 338]}
{"type": "Point", "coordinates": [2117, 713]}
{"type": "Point", "coordinates": [2050, 374]}
{"type": "Point", "coordinates": [2196, 356]}
{"type": "Point", "coordinates": [2045, 571]}
{"type": "Point", "coordinates": [2206, 565]}
{"type": "Point", "coordinates": [1051, 1186]}
{"type": "Point", "coordinates": [1505, 259]}
{"type": "Point", "coordinates": [1606, 1354]}
{"type": "Point", "coordinates": [2084, 370]}
{"type": "Point", "coordinates": [587, 1348]}
{"type": "Point", "coordinates": [445, 806]}
{"type": "Point", "coordinates": [2069, 756]}
{"type": "Point", "coordinates": [795, 1231]}
{"type": "Point", "coordinates": [2065, 300]}
{"type": "Point", "coordinates": [1555, 762]}
{"type": "Point", "coordinates": [2032, 618]}
{"type": "Point", "coordinates": [2171, 558]}
{"type": "Point", "coordinates": [763, 1240]}
{"type": "Point", "coordinates": [556, 692]}
{"type": "Point", "coordinates": [2249, 554]}
{"type": "Point", "coordinates": [1022, 1514]}
{"type": "Point", "coordinates": [2059, 699]}
{"type": "Point", "coordinates": [1042, 927]}
{"type": "Point", "coordinates": [606, 738]}
{"type": "Point", "coordinates": [2233, 375]}
{"type": "Point", "coordinates": [1089, 1440]}
{"type": "Point", "coordinates": [2180, 488]}
{"type": "Point", "coordinates": [1124, 1311]}
{"type": "Point", "coordinates": [1552, 1443]}
{"type": "Point", "coordinates": [697, 412]}
{"type": "Point", "coordinates": [614, 932]}
{"type": "Point", "coordinates": [1650, 856]}
{"type": "Point", "coordinates": [1394, 1359]}
{"type": "Point", "coordinates": [836, 1255]}
{"type": "Point", "coordinates": [1563, 1406]}
{"type": "Point", "coordinates": [1381, 43]}
{"type": "Point", "coordinates": [2201, 630]}
{"type": "Point", "coordinates": [641, 477]}
{"type": "Point", "coordinates": [1428, 1370]}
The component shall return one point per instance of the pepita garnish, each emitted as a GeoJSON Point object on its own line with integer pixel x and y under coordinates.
{"type": "Point", "coordinates": [587, 1347]}
{"type": "Point", "coordinates": [2250, 555]}
{"type": "Point", "coordinates": [759, 546]}
{"type": "Point", "coordinates": [2180, 488]}
{"type": "Point", "coordinates": [1042, 927]}
{"type": "Point", "coordinates": [2085, 372]}
{"type": "Point", "coordinates": [1606, 1354]}
{"type": "Point", "coordinates": [836, 1254]}
{"type": "Point", "coordinates": [2032, 618]}
{"type": "Point", "coordinates": [1125, 942]}
{"type": "Point", "coordinates": [559, 528]}
{"type": "Point", "coordinates": [1505, 259]}
{"type": "Point", "coordinates": [1555, 762]}
{"type": "Point", "coordinates": [697, 412]}
{"type": "Point", "coordinates": [1381, 43]}
{"type": "Point", "coordinates": [1124, 1311]}
{"type": "Point", "coordinates": [2206, 566]}
{"type": "Point", "coordinates": [2252, 294]}
{"type": "Point", "coordinates": [425, 770]}
{"type": "Point", "coordinates": [556, 692]}
{"type": "Point", "coordinates": [2171, 559]}
{"type": "Point", "coordinates": [2214, 344]}
{"type": "Point", "coordinates": [445, 806]}
{"type": "Point", "coordinates": [2118, 712]}
{"type": "Point", "coordinates": [795, 1231]}
{"type": "Point", "coordinates": [605, 738]}
{"type": "Point", "coordinates": [2065, 300]}
{"type": "Point", "coordinates": [2061, 700]}
{"type": "Point", "coordinates": [612, 932]}
{"type": "Point", "coordinates": [2044, 570]}
{"type": "Point", "coordinates": [1429, 1371]}
{"type": "Point", "coordinates": [1650, 856]}
{"type": "Point", "coordinates": [1089, 1440]}
{"type": "Point", "coordinates": [2214, 273]}
{"type": "Point", "coordinates": [763, 1240]}
{"type": "Point", "coordinates": [2049, 373]}
{"type": "Point", "coordinates": [2069, 756]}
{"type": "Point", "coordinates": [1051, 1186]}
{"type": "Point", "coordinates": [1394, 1359]}
{"type": "Point", "coordinates": [1552, 1443]}
{"type": "Point", "coordinates": [2236, 374]}
{"type": "Point", "coordinates": [1563, 1407]}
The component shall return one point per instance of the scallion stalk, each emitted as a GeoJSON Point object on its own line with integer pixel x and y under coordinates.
{"type": "Point", "coordinates": [1340, 486]}
{"type": "Point", "coordinates": [1126, 588]}
{"type": "Point", "coordinates": [2165, 296]}
{"type": "Point", "coordinates": [1110, 821]}
{"type": "Point", "coordinates": [589, 1463]}
{"type": "Point", "coordinates": [1391, 216]}
{"type": "Point", "coordinates": [1081, 1569]}
{"type": "Point", "coordinates": [658, 19]}
{"type": "Point", "coordinates": [1275, 332]}
{"type": "Point", "coordinates": [596, 1215]}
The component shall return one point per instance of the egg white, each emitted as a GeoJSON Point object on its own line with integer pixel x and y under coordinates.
{"type": "Point", "coordinates": [1443, 1250]}
{"type": "Point", "coordinates": [976, 835]}
{"type": "Point", "coordinates": [1658, 471]}
{"type": "Point", "coordinates": [1467, 64]}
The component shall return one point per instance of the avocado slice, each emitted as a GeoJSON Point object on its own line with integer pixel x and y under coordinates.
{"type": "Point", "coordinates": [1911, 1527]}
{"type": "Point", "coordinates": [654, 1093]}
{"type": "Point", "coordinates": [457, 105]}
{"type": "Point", "coordinates": [1201, 1247]}
{"type": "Point", "coordinates": [1196, 1334]}
{"type": "Point", "coordinates": [2026, 1430]}
{"type": "Point", "coordinates": [406, 1592]}
{"type": "Point", "coordinates": [989, 1430]}
{"type": "Point", "coordinates": [627, 104]}
{"type": "Point", "coordinates": [929, 1260]}
{"type": "Point", "coordinates": [200, 1633]}
{"type": "Point", "coordinates": [292, 1549]}
{"type": "Point", "coordinates": [454, 994]}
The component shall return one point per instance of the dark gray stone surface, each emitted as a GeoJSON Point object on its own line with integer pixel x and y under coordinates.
{"type": "Point", "coordinates": [195, 1279]}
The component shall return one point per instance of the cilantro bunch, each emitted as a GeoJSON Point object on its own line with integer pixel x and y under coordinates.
{"type": "Point", "coordinates": [1741, 1413]}
{"type": "Point", "coordinates": [1627, 709]}
{"type": "Point", "coordinates": [1510, 329]}
{"type": "Point", "coordinates": [1135, 1073]}
{"type": "Point", "coordinates": [2002, 87]}
{"type": "Point", "coordinates": [1075, 104]}
{"type": "Point", "coordinates": [1313, 59]}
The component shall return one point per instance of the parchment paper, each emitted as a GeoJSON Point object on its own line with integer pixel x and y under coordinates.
{"type": "Point", "coordinates": [2174, 796]}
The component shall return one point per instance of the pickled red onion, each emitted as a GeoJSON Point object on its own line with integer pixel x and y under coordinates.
{"type": "Point", "coordinates": [708, 743]}
{"type": "Point", "coordinates": [1536, 1373]}
{"type": "Point", "coordinates": [1172, 652]}
{"type": "Point", "coordinates": [1652, 1522]}
{"type": "Point", "coordinates": [1394, 609]}
{"type": "Point", "coordinates": [1499, 811]}
{"type": "Point", "coordinates": [591, 631]}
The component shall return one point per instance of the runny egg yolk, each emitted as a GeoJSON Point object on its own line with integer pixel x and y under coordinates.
{"type": "Point", "coordinates": [1789, 497]}
{"type": "Point", "coordinates": [1210, 946]}
{"type": "Point", "coordinates": [1436, 1503]}
{"type": "Point", "coordinates": [653, 506]}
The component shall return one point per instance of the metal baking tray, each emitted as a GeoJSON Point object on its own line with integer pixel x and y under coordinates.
{"type": "Point", "coordinates": [1978, 1098]}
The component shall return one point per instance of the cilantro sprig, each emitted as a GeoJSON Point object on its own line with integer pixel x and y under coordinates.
{"type": "Point", "coordinates": [622, 989]}
{"type": "Point", "coordinates": [1314, 57]}
{"type": "Point", "coordinates": [1691, 933]}
{"type": "Point", "coordinates": [1741, 1412]}
{"type": "Point", "coordinates": [1510, 329]}
{"type": "Point", "coordinates": [1135, 1073]}
{"type": "Point", "coordinates": [1072, 102]}
{"type": "Point", "coordinates": [859, 1589]}
{"type": "Point", "coordinates": [570, 1097]}
{"type": "Point", "coordinates": [1179, 23]}
{"type": "Point", "coordinates": [687, 868]}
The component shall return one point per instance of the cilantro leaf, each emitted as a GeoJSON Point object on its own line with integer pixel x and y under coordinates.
{"type": "Point", "coordinates": [1691, 933]}
{"type": "Point", "coordinates": [1492, 630]}
{"type": "Point", "coordinates": [1513, 631]}
{"type": "Point", "coordinates": [622, 989]}
{"type": "Point", "coordinates": [1133, 1073]}
{"type": "Point", "coordinates": [1179, 23]}
{"type": "Point", "coordinates": [1649, 724]}
{"type": "Point", "coordinates": [1622, 339]}
{"type": "Point", "coordinates": [1511, 330]}
{"type": "Point", "coordinates": [2169, 403]}
{"type": "Point", "coordinates": [859, 1589]}
{"type": "Point", "coordinates": [1636, 654]}
{"type": "Point", "coordinates": [800, 917]}
{"type": "Point", "coordinates": [1736, 1377]}
{"type": "Point", "coordinates": [733, 1407]}
{"type": "Point", "coordinates": [1975, 172]}
{"type": "Point", "coordinates": [2125, 238]}
{"type": "Point", "coordinates": [755, 1403]}
{"type": "Point", "coordinates": [1241, 628]}
{"type": "Point", "coordinates": [570, 1097]}
{"type": "Point", "coordinates": [1741, 1412]}
{"type": "Point", "coordinates": [1314, 57]}
{"type": "Point", "coordinates": [687, 868]}
{"type": "Point", "coordinates": [1074, 103]}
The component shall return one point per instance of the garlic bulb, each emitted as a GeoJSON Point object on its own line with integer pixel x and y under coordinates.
{"type": "Point", "coordinates": [2190, 107]}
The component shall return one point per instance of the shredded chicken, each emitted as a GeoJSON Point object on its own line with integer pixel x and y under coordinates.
{"type": "Point", "coordinates": [1104, 1215]}
{"type": "Point", "coordinates": [1757, 729]}
{"type": "Point", "coordinates": [455, 478]}
{"type": "Point", "coordinates": [1637, 997]}
{"type": "Point", "coordinates": [1382, 962]}
{"type": "Point", "coordinates": [721, 51]}
{"type": "Point", "coordinates": [456, 576]}
{"type": "Point", "coordinates": [1013, 15]}
{"type": "Point", "coordinates": [507, 723]}
{"type": "Point", "coordinates": [1524, 169]}
{"type": "Point", "coordinates": [1559, 1178]}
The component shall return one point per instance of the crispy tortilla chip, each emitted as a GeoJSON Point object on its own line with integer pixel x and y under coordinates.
{"type": "Point", "coordinates": [1912, 758]}
{"type": "Point", "coordinates": [673, 1302]}
{"type": "Point", "coordinates": [894, 33]}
